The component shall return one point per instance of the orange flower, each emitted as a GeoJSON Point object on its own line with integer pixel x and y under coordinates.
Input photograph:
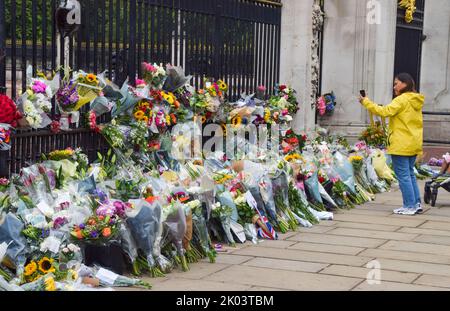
{"type": "Point", "coordinates": [78, 234]}
{"type": "Point", "coordinates": [174, 118]}
{"type": "Point", "coordinates": [106, 232]}
{"type": "Point", "coordinates": [92, 222]}
{"type": "Point", "coordinates": [101, 217]}
{"type": "Point", "coordinates": [201, 91]}
{"type": "Point", "coordinates": [176, 104]}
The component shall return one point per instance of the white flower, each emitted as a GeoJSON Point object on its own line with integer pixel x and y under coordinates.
{"type": "Point", "coordinates": [239, 200]}
{"type": "Point", "coordinates": [193, 204]}
{"type": "Point", "coordinates": [73, 247]}
{"type": "Point", "coordinates": [286, 90]}
{"type": "Point", "coordinates": [282, 103]}
{"type": "Point", "coordinates": [215, 205]}
{"type": "Point", "coordinates": [65, 250]}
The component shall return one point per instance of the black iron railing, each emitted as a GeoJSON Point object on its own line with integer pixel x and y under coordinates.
{"type": "Point", "coordinates": [234, 40]}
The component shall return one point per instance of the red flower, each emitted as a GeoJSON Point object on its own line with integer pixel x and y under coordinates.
{"type": "Point", "coordinates": [292, 140]}
{"type": "Point", "coordinates": [321, 179]}
{"type": "Point", "coordinates": [8, 111]}
{"type": "Point", "coordinates": [55, 127]}
{"type": "Point", "coordinates": [282, 87]}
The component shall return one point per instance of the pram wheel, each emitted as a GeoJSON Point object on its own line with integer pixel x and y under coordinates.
{"type": "Point", "coordinates": [427, 193]}
{"type": "Point", "coordinates": [434, 194]}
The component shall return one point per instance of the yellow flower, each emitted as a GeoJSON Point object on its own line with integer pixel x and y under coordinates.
{"type": "Point", "coordinates": [203, 119]}
{"type": "Point", "coordinates": [30, 268]}
{"type": "Point", "coordinates": [292, 157]}
{"type": "Point", "coordinates": [91, 78]}
{"type": "Point", "coordinates": [267, 115]}
{"type": "Point", "coordinates": [222, 85]}
{"type": "Point", "coordinates": [236, 121]}
{"type": "Point", "coordinates": [355, 158]}
{"type": "Point", "coordinates": [73, 274]}
{"type": "Point", "coordinates": [145, 119]}
{"type": "Point", "coordinates": [144, 105]}
{"type": "Point", "coordinates": [50, 285]}
{"type": "Point", "coordinates": [138, 115]}
{"type": "Point", "coordinates": [168, 97]}
{"type": "Point", "coordinates": [46, 265]}
{"type": "Point", "coordinates": [168, 119]}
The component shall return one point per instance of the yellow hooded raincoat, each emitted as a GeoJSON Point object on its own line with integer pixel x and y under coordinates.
{"type": "Point", "coordinates": [405, 135]}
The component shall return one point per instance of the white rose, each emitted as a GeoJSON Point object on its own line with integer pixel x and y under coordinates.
{"type": "Point", "coordinates": [73, 247]}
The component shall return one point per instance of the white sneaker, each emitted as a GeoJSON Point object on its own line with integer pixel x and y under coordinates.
{"type": "Point", "coordinates": [399, 211]}
{"type": "Point", "coordinates": [409, 211]}
{"type": "Point", "coordinates": [419, 209]}
{"type": "Point", "coordinates": [405, 211]}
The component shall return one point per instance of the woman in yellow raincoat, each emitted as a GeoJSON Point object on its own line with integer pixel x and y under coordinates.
{"type": "Point", "coordinates": [405, 137]}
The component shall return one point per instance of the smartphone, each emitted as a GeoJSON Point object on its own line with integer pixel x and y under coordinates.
{"type": "Point", "coordinates": [363, 93]}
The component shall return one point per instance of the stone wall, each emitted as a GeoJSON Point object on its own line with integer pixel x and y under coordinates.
{"type": "Point", "coordinates": [435, 70]}
{"type": "Point", "coordinates": [357, 55]}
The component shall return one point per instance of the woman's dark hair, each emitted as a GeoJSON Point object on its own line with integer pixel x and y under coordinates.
{"type": "Point", "coordinates": [410, 84]}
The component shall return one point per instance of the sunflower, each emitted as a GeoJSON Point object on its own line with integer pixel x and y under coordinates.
{"type": "Point", "coordinates": [236, 121]}
{"type": "Point", "coordinates": [222, 85]}
{"type": "Point", "coordinates": [91, 78]}
{"type": "Point", "coordinates": [46, 265]}
{"type": "Point", "coordinates": [138, 115]}
{"type": "Point", "coordinates": [50, 285]}
{"type": "Point", "coordinates": [144, 119]}
{"type": "Point", "coordinates": [292, 157]}
{"type": "Point", "coordinates": [168, 97]}
{"type": "Point", "coordinates": [203, 119]}
{"type": "Point", "coordinates": [30, 268]}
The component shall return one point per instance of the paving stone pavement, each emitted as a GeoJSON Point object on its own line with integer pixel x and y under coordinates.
{"type": "Point", "coordinates": [412, 252]}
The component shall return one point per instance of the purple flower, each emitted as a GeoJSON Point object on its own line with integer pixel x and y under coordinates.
{"type": "Point", "coordinates": [59, 222]}
{"type": "Point", "coordinates": [112, 221]}
{"type": "Point", "coordinates": [106, 209]}
{"type": "Point", "coordinates": [94, 234]}
{"type": "Point", "coordinates": [120, 208]}
{"type": "Point", "coordinates": [51, 178]}
{"type": "Point", "coordinates": [39, 87]}
{"type": "Point", "coordinates": [45, 233]}
{"type": "Point", "coordinates": [82, 226]}
{"type": "Point", "coordinates": [101, 195]}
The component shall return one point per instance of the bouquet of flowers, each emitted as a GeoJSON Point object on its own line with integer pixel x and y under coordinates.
{"type": "Point", "coordinates": [113, 135]}
{"type": "Point", "coordinates": [326, 104]}
{"type": "Point", "coordinates": [362, 184]}
{"type": "Point", "coordinates": [8, 111]}
{"type": "Point", "coordinates": [222, 214]}
{"type": "Point", "coordinates": [154, 75]}
{"type": "Point", "coordinates": [104, 225]}
{"type": "Point", "coordinates": [67, 96]}
{"type": "Point", "coordinates": [375, 135]}
{"type": "Point", "coordinates": [5, 137]}
{"type": "Point", "coordinates": [41, 268]}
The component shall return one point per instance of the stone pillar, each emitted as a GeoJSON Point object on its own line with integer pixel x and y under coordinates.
{"type": "Point", "coordinates": [295, 70]}
{"type": "Point", "coordinates": [358, 53]}
{"type": "Point", "coordinates": [435, 71]}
